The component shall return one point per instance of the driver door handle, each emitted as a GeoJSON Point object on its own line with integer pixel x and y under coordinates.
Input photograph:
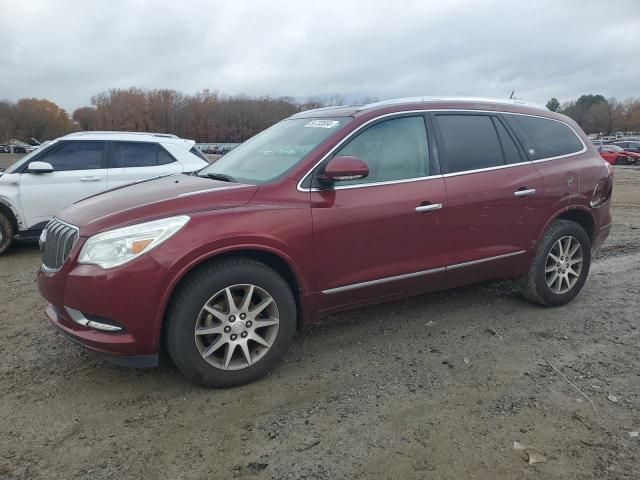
{"type": "Point", "coordinates": [525, 192]}
{"type": "Point", "coordinates": [89, 179]}
{"type": "Point", "coordinates": [427, 207]}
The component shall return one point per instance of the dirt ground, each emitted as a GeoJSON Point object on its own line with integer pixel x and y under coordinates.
{"type": "Point", "coordinates": [415, 389]}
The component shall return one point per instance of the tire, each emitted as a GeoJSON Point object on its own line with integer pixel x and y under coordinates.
{"type": "Point", "coordinates": [535, 284]}
{"type": "Point", "coordinates": [6, 233]}
{"type": "Point", "coordinates": [201, 302]}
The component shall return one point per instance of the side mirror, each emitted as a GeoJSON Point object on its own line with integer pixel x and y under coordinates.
{"type": "Point", "coordinates": [344, 169]}
{"type": "Point", "coordinates": [39, 167]}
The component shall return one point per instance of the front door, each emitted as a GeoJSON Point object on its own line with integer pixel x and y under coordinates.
{"type": "Point", "coordinates": [493, 192]}
{"type": "Point", "coordinates": [379, 237]}
{"type": "Point", "coordinates": [78, 172]}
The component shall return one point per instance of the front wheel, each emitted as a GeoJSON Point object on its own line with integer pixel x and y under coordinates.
{"type": "Point", "coordinates": [230, 323]}
{"type": "Point", "coordinates": [6, 233]}
{"type": "Point", "coordinates": [560, 267]}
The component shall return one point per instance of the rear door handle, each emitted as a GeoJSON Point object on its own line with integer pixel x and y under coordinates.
{"type": "Point", "coordinates": [428, 207]}
{"type": "Point", "coordinates": [89, 179]}
{"type": "Point", "coordinates": [525, 192]}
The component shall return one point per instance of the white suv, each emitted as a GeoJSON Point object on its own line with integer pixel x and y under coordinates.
{"type": "Point", "coordinates": [82, 164]}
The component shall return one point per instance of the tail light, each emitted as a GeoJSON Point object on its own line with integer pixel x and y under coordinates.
{"type": "Point", "coordinates": [603, 189]}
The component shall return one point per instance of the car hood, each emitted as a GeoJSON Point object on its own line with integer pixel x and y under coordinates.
{"type": "Point", "coordinates": [152, 199]}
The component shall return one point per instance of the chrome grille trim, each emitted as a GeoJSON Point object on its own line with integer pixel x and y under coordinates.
{"type": "Point", "coordinates": [60, 238]}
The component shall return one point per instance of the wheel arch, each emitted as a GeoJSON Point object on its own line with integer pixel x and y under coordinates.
{"type": "Point", "coordinates": [6, 210]}
{"type": "Point", "coordinates": [577, 214]}
{"type": "Point", "coordinates": [283, 265]}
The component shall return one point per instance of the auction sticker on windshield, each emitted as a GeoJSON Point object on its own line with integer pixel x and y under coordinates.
{"type": "Point", "coordinates": [322, 124]}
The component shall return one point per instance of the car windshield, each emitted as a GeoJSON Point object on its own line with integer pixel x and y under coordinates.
{"type": "Point", "coordinates": [274, 151]}
{"type": "Point", "coordinates": [616, 148]}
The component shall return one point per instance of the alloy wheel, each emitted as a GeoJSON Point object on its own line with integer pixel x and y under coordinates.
{"type": "Point", "coordinates": [237, 326]}
{"type": "Point", "coordinates": [563, 265]}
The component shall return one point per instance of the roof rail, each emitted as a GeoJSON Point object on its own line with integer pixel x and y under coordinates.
{"type": "Point", "coordinates": [321, 109]}
{"type": "Point", "coordinates": [113, 132]}
{"type": "Point", "coordinates": [395, 101]}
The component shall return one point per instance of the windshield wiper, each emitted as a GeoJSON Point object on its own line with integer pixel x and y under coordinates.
{"type": "Point", "coordinates": [219, 176]}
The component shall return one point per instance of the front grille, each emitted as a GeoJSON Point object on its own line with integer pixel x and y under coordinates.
{"type": "Point", "coordinates": [58, 240]}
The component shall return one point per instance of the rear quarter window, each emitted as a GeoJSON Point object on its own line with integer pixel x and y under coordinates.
{"type": "Point", "coordinates": [550, 138]}
{"type": "Point", "coordinates": [196, 151]}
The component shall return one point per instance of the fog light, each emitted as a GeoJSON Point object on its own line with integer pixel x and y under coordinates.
{"type": "Point", "coordinates": [94, 321]}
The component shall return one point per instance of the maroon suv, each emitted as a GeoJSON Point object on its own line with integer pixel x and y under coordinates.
{"type": "Point", "coordinates": [327, 210]}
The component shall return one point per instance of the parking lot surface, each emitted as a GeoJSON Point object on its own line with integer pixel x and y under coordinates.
{"type": "Point", "coordinates": [436, 386]}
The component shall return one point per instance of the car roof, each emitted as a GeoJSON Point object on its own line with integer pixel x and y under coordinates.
{"type": "Point", "coordinates": [426, 102]}
{"type": "Point", "coordinates": [130, 137]}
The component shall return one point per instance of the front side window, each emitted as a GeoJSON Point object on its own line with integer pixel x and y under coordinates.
{"type": "Point", "coordinates": [76, 155]}
{"type": "Point", "coordinates": [394, 149]}
{"type": "Point", "coordinates": [550, 137]}
{"type": "Point", "coordinates": [274, 151]}
{"type": "Point", "coordinates": [468, 142]}
{"type": "Point", "coordinates": [138, 154]}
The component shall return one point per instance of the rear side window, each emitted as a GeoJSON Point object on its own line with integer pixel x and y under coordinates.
{"type": "Point", "coordinates": [85, 155]}
{"type": "Point", "coordinates": [468, 142]}
{"type": "Point", "coordinates": [550, 137]}
{"type": "Point", "coordinates": [139, 154]}
{"type": "Point", "coordinates": [509, 149]}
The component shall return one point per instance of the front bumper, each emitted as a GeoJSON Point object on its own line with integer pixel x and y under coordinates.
{"type": "Point", "coordinates": [600, 237]}
{"type": "Point", "coordinates": [104, 347]}
{"type": "Point", "coordinates": [130, 296]}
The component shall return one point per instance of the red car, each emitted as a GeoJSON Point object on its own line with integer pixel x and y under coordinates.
{"type": "Point", "coordinates": [327, 210]}
{"type": "Point", "coordinates": [616, 155]}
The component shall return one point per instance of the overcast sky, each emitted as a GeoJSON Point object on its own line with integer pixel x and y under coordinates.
{"type": "Point", "coordinates": [67, 51]}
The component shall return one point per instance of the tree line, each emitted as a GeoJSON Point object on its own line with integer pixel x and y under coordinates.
{"type": "Point", "coordinates": [600, 115]}
{"type": "Point", "coordinates": [210, 116]}
{"type": "Point", "coordinates": [207, 116]}
{"type": "Point", "coordinates": [33, 118]}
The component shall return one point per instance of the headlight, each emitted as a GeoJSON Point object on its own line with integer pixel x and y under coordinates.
{"type": "Point", "coordinates": [115, 247]}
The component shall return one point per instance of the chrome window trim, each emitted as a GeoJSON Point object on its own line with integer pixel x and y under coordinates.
{"type": "Point", "coordinates": [455, 266]}
{"type": "Point", "coordinates": [405, 112]}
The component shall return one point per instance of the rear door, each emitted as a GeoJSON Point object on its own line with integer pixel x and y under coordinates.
{"type": "Point", "coordinates": [78, 172]}
{"type": "Point", "coordinates": [493, 195]}
{"type": "Point", "coordinates": [379, 237]}
{"type": "Point", "coordinates": [134, 161]}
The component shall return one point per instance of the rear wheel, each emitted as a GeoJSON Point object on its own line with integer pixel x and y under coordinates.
{"type": "Point", "coordinates": [230, 323]}
{"type": "Point", "coordinates": [6, 233]}
{"type": "Point", "coordinates": [560, 267]}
